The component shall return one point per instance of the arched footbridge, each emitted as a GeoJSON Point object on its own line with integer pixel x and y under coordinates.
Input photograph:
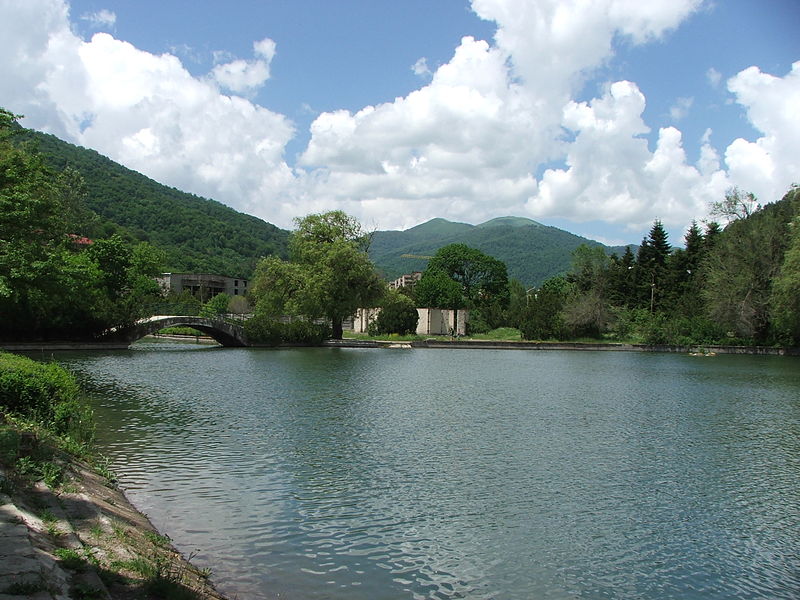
{"type": "Point", "coordinates": [224, 332]}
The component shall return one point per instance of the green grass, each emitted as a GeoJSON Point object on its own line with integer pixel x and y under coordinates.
{"type": "Point", "coordinates": [70, 559]}
{"type": "Point", "coordinates": [502, 333]}
{"type": "Point", "coordinates": [179, 331]}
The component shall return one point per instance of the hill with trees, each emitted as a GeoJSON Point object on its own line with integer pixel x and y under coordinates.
{"type": "Point", "coordinates": [196, 234]}
{"type": "Point", "coordinates": [533, 252]}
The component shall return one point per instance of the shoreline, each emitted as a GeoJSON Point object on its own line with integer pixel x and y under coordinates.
{"type": "Point", "coordinates": [86, 534]}
{"type": "Point", "coordinates": [435, 343]}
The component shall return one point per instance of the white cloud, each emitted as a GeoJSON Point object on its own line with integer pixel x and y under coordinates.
{"type": "Point", "coordinates": [768, 166]}
{"type": "Point", "coordinates": [143, 110]}
{"type": "Point", "coordinates": [101, 18]}
{"type": "Point", "coordinates": [612, 175]}
{"type": "Point", "coordinates": [468, 145]}
{"type": "Point", "coordinates": [680, 109]}
{"type": "Point", "coordinates": [420, 68]}
{"type": "Point", "coordinates": [714, 77]}
{"type": "Point", "coordinates": [244, 76]}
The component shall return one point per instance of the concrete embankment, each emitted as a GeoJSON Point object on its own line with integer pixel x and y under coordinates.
{"type": "Point", "coordinates": [84, 539]}
{"type": "Point", "coordinates": [608, 347]}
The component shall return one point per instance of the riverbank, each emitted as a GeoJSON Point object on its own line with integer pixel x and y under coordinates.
{"type": "Point", "coordinates": [81, 538]}
{"type": "Point", "coordinates": [608, 347]}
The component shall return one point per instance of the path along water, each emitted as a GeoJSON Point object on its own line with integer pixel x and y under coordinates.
{"type": "Point", "coordinates": [344, 473]}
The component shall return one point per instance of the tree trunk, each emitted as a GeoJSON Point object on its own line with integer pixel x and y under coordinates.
{"type": "Point", "coordinates": [336, 327]}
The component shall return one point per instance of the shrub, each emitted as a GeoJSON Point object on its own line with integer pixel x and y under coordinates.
{"type": "Point", "coordinates": [305, 332]}
{"type": "Point", "coordinates": [263, 330]}
{"type": "Point", "coordinates": [398, 315]}
{"type": "Point", "coordinates": [45, 393]}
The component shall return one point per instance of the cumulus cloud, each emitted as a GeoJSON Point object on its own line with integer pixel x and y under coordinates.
{"type": "Point", "coordinates": [143, 110]}
{"type": "Point", "coordinates": [611, 173]}
{"type": "Point", "coordinates": [101, 18]}
{"type": "Point", "coordinates": [769, 165]}
{"type": "Point", "coordinates": [243, 76]}
{"type": "Point", "coordinates": [469, 144]}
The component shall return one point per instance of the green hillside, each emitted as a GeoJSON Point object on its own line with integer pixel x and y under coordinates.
{"type": "Point", "coordinates": [197, 234]}
{"type": "Point", "coordinates": [532, 251]}
{"type": "Point", "coordinates": [203, 235]}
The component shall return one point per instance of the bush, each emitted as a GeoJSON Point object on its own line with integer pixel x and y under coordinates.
{"type": "Point", "coordinates": [305, 332]}
{"type": "Point", "coordinates": [263, 330]}
{"type": "Point", "coordinates": [45, 393]}
{"type": "Point", "coordinates": [398, 315]}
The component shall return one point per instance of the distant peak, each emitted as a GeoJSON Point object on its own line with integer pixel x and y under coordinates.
{"type": "Point", "coordinates": [510, 222]}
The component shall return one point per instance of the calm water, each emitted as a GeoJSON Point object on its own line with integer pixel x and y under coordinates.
{"type": "Point", "coordinates": [393, 474]}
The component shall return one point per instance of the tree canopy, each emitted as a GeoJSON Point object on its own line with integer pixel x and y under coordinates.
{"type": "Point", "coordinates": [55, 283]}
{"type": "Point", "coordinates": [329, 274]}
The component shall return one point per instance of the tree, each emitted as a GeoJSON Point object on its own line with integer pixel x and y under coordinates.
{"type": "Point", "coordinates": [329, 273]}
{"type": "Point", "coordinates": [651, 263]}
{"type": "Point", "coordinates": [785, 299]}
{"type": "Point", "coordinates": [542, 319]}
{"type": "Point", "coordinates": [741, 268]}
{"type": "Point", "coordinates": [437, 290]}
{"type": "Point", "coordinates": [736, 205]}
{"type": "Point", "coordinates": [216, 306]}
{"type": "Point", "coordinates": [483, 279]}
{"type": "Point", "coordinates": [398, 314]}
{"type": "Point", "coordinates": [586, 310]}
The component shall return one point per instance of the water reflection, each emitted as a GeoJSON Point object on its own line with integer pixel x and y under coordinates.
{"type": "Point", "coordinates": [459, 474]}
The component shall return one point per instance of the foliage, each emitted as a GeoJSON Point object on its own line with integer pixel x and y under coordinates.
{"type": "Point", "coordinates": [742, 267]}
{"type": "Point", "coordinates": [437, 290]}
{"type": "Point", "coordinates": [55, 283]}
{"type": "Point", "coordinates": [216, 306]}
{"type": "Point", "coordinates": [542, 318]}
{"type": "Point", "coordinates": [196, 234]}
{"type": "Point", "coordinates": [785, 298]}
{"type": "Point", "coordinates": [532, 252]}
{"type": "Point", "coordinates": [483, 279]}
{"type": "Point", "coordinates": [265, 330]}
{"type": "Point", "coordinates": [44, 393]}
{"type": "Point", "coordinates": [329, 275]}
{"type": "Point", "coordinates": [398, 315]}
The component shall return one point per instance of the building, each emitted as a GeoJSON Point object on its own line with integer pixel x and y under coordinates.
{"type": "Point", "coordinates": [202, 285]}
{"type": "Point", "coordinates": [406, 280]}
{"type": "Point", "coordinates": [432, 321]}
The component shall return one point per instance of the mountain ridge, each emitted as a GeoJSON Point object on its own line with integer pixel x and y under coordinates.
{"type": "Point", "coordinates": [200, 234]}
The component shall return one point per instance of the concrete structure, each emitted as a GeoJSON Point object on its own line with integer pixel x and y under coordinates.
{"type": "Point", "coordinates": [442, 321]}
{"type": "Point", "coordinates": [202, 285]}
{"type": "Point", "coordinates": [362, 319]}
{"type": "Point", "coordinates": [406, 280]}
{"type": "Point", "coordinates": [223, 332]}
{"type": "Point", "coordinates": [432, 321]}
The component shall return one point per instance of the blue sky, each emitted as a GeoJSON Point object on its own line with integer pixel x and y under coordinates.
{"type": "Point", "coordinates": [596, 117]}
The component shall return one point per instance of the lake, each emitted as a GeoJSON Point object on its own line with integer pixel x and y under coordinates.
{"type": "Point", "coordinates": [488, 474]}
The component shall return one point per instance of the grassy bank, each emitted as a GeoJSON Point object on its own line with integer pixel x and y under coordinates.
{"type": "Point", "coordinates": [66, 496]}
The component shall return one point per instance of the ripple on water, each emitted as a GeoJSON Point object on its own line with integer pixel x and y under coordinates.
{"type": "Point", "coordinates": [337, 474]}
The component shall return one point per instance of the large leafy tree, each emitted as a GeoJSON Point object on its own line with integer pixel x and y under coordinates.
{"type": "Point", "coordinates": [51, 285]}
{"type": "Point", "coordinates": [459, 276]}
{"type": "Point", "coordinates": [329, 274]}
{"type": "Point", "coordinates": [742, 266]}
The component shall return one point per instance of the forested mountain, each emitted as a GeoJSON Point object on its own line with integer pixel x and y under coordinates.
{"type": "Point", "coordinates": [203, 235]}
{"type": "Point", "coordinates": [196, 234]}
{"type": "Point", "coordinates": [532, 252]}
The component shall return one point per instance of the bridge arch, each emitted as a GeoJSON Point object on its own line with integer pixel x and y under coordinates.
{"type": "Point", "coordinates": [223, 332]}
